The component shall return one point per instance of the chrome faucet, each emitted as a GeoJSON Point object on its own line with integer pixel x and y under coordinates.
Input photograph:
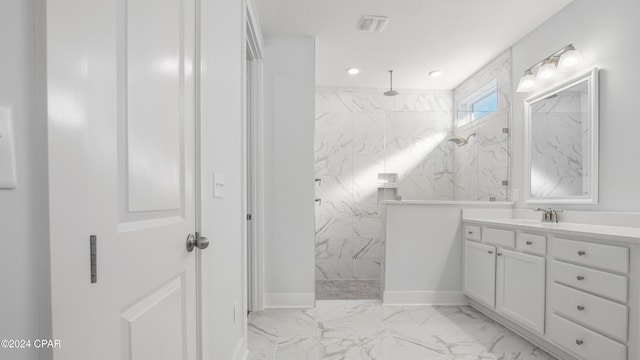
{"type": "Point", "coordinates": [549, 215]}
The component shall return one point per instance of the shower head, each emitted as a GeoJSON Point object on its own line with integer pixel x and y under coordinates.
{"type": "Point", "coordinates": [391, 92]}
{"type": "Point", "coordinates": [460, 141]}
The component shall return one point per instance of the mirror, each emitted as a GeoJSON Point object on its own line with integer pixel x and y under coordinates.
{"type": "Point", "coordinates": [561, 143]}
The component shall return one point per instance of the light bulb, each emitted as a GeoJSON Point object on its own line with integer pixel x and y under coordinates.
{"type": "Point", "coordinates": [527, 82]}
{"type": "Point", "coordinates": [570, 59]}
{"type": "Point", "coordinates": [546, 71]}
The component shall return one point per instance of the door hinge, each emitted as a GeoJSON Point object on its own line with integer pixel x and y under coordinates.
{"type": "Point", "coordinates": [249, 217]}
{"type": "Point", "coordinates": [93, 253]}
{"type": "Point", "coordinates": [505, 130]}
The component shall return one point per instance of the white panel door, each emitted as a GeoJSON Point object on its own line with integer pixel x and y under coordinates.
{"type": "Point", "coordinates": [122, 168]}
{"type": "Point", "coordinates": [520, 288]}
{"type": "Point", "coordinates": [480, 272]}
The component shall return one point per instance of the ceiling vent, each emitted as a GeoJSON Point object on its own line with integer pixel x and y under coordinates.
{"type": "Point", "coordinates": [372, 23]}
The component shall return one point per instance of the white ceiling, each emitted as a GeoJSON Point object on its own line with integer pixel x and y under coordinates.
{"type": "Point", "coordinates": [455, 36]}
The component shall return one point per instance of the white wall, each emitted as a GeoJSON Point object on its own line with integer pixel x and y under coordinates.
{"type": "Point", "coordinates": [223, 219]}
{"type": "Point", "coordinates": [289, 85]}
{"type": "Point", "coordinates": [423, 259]}
{"type": "Point", "coordinates": [606, 34]}
{"type": "Point", "coordinates": [22, 211]}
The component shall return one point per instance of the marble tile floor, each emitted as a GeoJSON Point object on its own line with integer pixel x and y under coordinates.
{"type": "Point", "coordinates": [348, 290]}
{"type": "Point", "coordinates": [364, 329]}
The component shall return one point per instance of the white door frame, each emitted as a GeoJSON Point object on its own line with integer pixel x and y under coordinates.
{"type": "Point", "coordinates": [253, 110]}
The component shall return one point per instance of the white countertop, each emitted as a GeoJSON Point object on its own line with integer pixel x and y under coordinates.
{"type": "Point", "coordinates": [630, 234]}
{"type": "Point", "coordinates": [449, 202]}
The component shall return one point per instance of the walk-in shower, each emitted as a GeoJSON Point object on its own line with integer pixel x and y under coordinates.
{"type": "Point", "coordinates": [371, 148]}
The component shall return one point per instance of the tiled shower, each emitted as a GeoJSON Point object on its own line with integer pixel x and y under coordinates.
{"type": "Point", "coordinates": [369, 147]}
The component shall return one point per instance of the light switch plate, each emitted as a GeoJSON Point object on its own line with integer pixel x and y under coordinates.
{"type": "Point", "coordinates": [8, 178]}
{"type": "Point", "coordinates": [218, 186]}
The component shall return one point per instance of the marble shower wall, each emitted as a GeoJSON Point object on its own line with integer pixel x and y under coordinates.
{"type": "Point", "coordinates": [360, 133]}
{"type": "Point", "coordinates": [480, 167]}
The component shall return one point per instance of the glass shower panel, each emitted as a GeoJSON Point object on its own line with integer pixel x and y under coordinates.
{"type": "Point", "coordinates": [481, 167]}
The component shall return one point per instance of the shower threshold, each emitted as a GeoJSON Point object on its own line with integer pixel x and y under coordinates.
{"type": "Point", "coordinates": [347, 289]}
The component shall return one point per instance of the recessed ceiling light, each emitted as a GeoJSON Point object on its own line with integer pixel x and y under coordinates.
{"type": "Point", "coordinates": [435, 73]}
{"type": "Point", "coordinates": [353, 71]}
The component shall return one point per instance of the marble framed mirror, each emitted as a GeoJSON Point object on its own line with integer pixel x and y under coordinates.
{"type": "Point", "coordinates": [561, 143]}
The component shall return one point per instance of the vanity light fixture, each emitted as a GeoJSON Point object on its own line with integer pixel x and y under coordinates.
{"type": "Point", "coordinates": [564, 59]}
{"type": "Point", "coordinates": [570, 58]}
{"type": "Point", "coordinates": [527, 82]}
{"type": "Point", "coordinates": [547, 70]}
{"type": "Point", "coordinates": [353, 71]}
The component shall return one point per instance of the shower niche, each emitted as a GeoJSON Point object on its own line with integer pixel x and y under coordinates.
{"type": "Point", "coordinates": [387, 187]}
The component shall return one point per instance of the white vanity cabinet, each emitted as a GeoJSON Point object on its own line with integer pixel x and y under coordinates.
{"type": "Point", "coordinates": [571, 291]}
{"type": "Point", "coordinates": [520, 288]}
{"type": "Point", "coordinates": [503, 278]}
{"type": "Point", "coordinates": [588, 298]}
{"type": "Point", "coordinates": [480, 272]}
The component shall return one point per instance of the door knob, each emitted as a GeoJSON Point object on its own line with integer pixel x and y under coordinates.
{"type": "Point", "coordinates": [198, 241]}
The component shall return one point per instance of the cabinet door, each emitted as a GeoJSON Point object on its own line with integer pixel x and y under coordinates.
{"type": "Point", "coordinates": [480, 272]}
{"type": "Point", "coordinates": [520, 288]}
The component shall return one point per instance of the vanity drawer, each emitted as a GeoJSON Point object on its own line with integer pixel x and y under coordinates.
{"type": "Point", "coordinates": [535, 244]}
{"type": "Point", "coordinates": [608, 257]}
{"type": "Point", "coordinates": [604, 316]}
{"type": "Point", "coordinates": [472, 232]}
{"type": "Point", "coordinates": [588, 344]}
{"type": "Point", "coordinates": [503, 238]}
{"type": "Point", "coordinates": [598, 282]}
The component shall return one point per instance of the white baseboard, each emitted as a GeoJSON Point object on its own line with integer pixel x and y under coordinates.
{"type": "Point", "coordinates": [241, 353]}
{"type": "Point", "coordinates": [289, 300]}
{"type": "Point", "coordinates": [424, 298]}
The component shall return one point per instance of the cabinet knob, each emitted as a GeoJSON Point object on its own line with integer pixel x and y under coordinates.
{"type": "Point", "coordinates": [579, 342]}
{"type": "Point", "coordinates": [529, 243]}
{"type": "Point", "coordinates": [470, 232]}
{"type": "Point", "coordinates": [580, 308]}
{"type": "Point", "coordinates": [580, 277]}
{"type": "Point", "coordinates": [499, 254]}
{"type": "Point", "coordinates": [490, 251]}
{"type": "Point", "coordinates": [582, 253]}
